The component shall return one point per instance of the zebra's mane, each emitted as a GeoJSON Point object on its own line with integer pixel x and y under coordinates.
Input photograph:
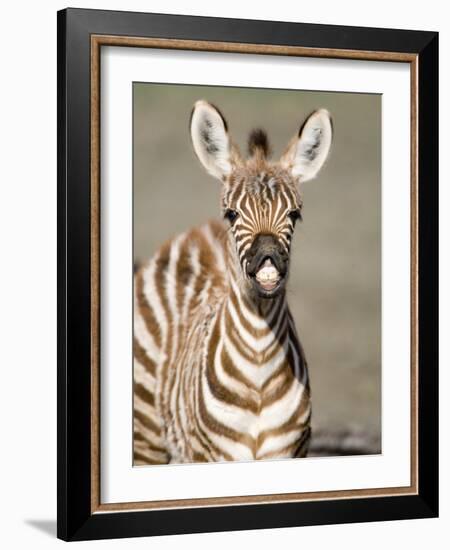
{"type": "Point", "coordinates": [258, 144]}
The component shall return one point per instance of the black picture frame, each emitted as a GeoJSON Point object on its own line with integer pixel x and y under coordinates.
{"type": "Point", "coordinates": [76, 518]}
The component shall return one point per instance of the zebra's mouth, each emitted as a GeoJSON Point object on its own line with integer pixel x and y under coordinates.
{"type": "Point", "coordinates": [267, 279]}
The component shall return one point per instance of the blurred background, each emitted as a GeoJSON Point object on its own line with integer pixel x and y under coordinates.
{"type": "Point", "coordinates": [335, 276]}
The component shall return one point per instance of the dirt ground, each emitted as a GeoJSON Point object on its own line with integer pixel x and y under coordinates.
{"type": "Point", "coordinates": [335, 281]}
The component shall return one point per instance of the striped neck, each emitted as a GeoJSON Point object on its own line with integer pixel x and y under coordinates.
{"type": "Point", "coordinates": [256, 331]}
{"type": "Point", "coordinates": [259, 312]}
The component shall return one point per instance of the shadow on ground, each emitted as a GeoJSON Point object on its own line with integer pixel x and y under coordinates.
{"type": "Point", "coordinates": [46, 526]}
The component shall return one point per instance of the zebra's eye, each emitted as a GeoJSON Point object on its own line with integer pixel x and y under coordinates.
{"type": "Point", "coordinates": [230, 215]}
{"type": "Point", "coordinates": [295, 215]}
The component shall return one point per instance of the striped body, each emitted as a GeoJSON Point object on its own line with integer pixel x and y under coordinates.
{"type": "Point", "coordinates": [216, 378]}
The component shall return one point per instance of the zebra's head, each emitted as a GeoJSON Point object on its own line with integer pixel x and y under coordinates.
{"type": "Point", "coordinates": [260, 199]}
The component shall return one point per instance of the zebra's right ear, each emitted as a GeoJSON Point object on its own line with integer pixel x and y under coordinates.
{"type": "Point", "coordinates": [210, 139]}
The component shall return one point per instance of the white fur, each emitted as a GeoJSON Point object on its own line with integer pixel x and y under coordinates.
{"type": "Point", "coordinates": [171, 286]}
{"type": "Point", "coordinates": [238, 451]}
{"type": "Point", "coordinates": [152, 296]}
{"type": "Point", "coordinates": [258, 374]}
{"type": "Point", "coordinates": [146, 409]}
{"type": "Point", "coordinates": [317, 133]}
{"type": "Point", "coordinates": [207, 120]}
{"type": "Point", "coordinates": [189, 292]}
{"type": "Point", "coordinates": [143, 377]}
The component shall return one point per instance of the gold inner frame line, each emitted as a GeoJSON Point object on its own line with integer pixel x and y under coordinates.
{"type": "Point", "coordinates": [97, 41]}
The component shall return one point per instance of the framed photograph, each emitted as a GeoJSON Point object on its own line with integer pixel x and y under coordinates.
{"type": "Point", "coordinates": [247, 255]}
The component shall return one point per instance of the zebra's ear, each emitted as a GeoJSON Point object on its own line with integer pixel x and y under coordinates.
{"type": "Point", "coordinates": [308, 151]}
{"type": "Point", "coordinates": [210, 139]}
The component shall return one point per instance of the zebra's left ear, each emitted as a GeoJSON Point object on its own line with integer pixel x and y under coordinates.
{"type": "Point", "coordinates": [308, 151]}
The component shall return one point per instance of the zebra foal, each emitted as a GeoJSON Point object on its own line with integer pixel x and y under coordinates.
{"type": "Point", "coordinates": [219, 371]}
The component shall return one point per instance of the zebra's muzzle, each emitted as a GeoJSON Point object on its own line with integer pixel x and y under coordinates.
{"type": "Point", "coordinates": [267, 266]}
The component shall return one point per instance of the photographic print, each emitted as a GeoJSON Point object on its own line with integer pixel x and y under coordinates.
{"type": "Point", "coordinates": [247, 258]}
{"type": "Point", "coordinates": [257, 288]}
